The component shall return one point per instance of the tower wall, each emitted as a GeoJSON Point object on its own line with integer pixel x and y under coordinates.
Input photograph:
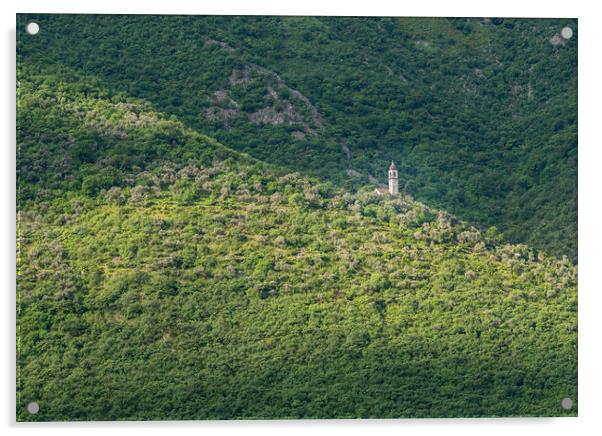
{"type": "Point", "coordinates": [393, 182]}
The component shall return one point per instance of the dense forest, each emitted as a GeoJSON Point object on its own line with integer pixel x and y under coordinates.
{"type": "Point", "coordinates": [198, 236]}
{"type": "Point", "coordinates": [480, 114]}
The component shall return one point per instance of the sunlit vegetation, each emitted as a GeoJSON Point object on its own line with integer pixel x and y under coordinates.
{"type": "Point", "coordinates": [163, 275]}
{"type": "Point", "coordinates": [479, 114]}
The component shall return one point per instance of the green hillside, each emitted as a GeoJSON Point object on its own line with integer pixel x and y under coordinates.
{"type": "Point", "coordinates": [163, 275]}
{"type": "Point", "coordinates": [480, 114]}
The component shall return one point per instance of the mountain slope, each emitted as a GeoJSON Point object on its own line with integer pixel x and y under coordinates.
{"type": "Point", "coordinates": [162, 275]}
{"type": "Point", "coordinates": [480, 114]}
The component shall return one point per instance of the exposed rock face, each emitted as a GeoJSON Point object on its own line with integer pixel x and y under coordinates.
{"type": "Point", "coordinates": [220, 95]}
{"type": "Point", "coordinates": [268, 116]}
{"type": "Point", "coordinates": [317, 118]}
{"type": "Point", "coordinates": [280, 110]}
{"type": "Point", "coordinates": [283, 113]}
{"type": "Point", "coordinates": [239, 77]}
{"type": "Point", "coordinates": [279, 105]}
{"type": "Point", "coordinates": [223, 107]}
{"type": "Point", "coordinates": [220, 44]}
{"type": "Point", "coordinates": [220, 114]}
{"type": "Point", "coordinates": [272, 93]}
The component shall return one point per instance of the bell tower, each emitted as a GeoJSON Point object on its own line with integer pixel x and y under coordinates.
{"type": "Point", "coordinates": [393, 180]}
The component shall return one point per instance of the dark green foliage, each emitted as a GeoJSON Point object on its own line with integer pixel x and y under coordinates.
{"type": "Point", "coordinates": [480, 114]}
{"type": "Point", "coordinates": [162, 275]}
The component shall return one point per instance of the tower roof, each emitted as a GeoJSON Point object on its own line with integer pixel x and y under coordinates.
{"type": "Point", "coordinates": [392, 167]}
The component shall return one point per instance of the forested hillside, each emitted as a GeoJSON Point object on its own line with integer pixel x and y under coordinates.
{"type": "Point", "coordinates": [163, 275]}
{"type": "Point", "coordinates": [479, 114]}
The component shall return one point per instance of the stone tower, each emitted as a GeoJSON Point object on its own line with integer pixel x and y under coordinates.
{"type": "Point", "coordinates": [393, 180]}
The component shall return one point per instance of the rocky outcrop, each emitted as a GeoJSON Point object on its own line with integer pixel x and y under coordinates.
{"type": "Point", "coordinates": [223, 107]}
{"type": "Point", "coordinates": [219, 44]}
{"type": "Point", "coordinates": [283, 104]}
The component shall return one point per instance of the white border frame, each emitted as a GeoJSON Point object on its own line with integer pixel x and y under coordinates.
{"type": "Point", "coordinates": [590, 211]}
